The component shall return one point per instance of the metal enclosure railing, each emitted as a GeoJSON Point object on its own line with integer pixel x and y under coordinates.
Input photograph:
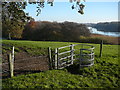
{"type": "Point", "coordinates": [86, 57]}
{"type": "Point", "coordinates": [65, 56]}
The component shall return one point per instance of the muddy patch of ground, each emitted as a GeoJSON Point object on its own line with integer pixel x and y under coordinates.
{"type": "Point", "coordinates": [25, 63]}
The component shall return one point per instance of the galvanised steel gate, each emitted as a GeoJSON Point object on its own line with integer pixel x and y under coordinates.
{"type": "Point", "coordinates": [65, 56]}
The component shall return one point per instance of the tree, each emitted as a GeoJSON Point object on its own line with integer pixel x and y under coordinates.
{"type": "Point", "coordinates": [13, 18]}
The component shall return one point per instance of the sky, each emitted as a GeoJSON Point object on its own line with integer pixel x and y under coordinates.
{"type": "Point", "coordinates": [94, 12]}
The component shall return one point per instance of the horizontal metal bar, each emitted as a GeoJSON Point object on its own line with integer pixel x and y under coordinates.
{"type": "Point", "coordinates": [64, 52]}
{"type": "Point", "coordinates": [89, 49]}
{"type": "Point", "coordinates": [87, 54]}
{"type": "Point", "coordinates": [65, 62]}
{"type": "Point", "coordinates": [64, 66]}
{"type": "Point", "coordinates": [86, 60]}
{"type": "Point", "coordinates": [64, 47]}
{"type": "Point", "coordinates": [68, 65]}
{"type": "Point", "coordinates": [66, 57]}
{"type": "Point", "coordinates": [70, 60]}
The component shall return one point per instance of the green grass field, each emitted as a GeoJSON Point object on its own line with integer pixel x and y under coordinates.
{"type": "Point", "coordinates": [104, 74]}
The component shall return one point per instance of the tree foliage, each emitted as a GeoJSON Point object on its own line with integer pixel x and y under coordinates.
{"type": "Point", "coordinates": [66, 31]}
{"type": "Point", "coordinates": [13, 18]}
{"type": "Point", "coordinates": [76, 5]}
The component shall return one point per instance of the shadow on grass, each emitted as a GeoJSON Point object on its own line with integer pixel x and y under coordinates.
{"type": "Point", "coordinates": [73, 69]}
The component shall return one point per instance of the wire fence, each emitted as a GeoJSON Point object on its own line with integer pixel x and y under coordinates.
{"type": "Point", "coordinates": [25, 65]}
{"type": "Point", "coordinates": [21, 62]}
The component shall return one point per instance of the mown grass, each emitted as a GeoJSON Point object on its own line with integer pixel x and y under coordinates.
{"type": "Point", "coordinates": [32, 47]}
{"type": "Point", "coordinates": [104, 73]}
{"type": "Point", "coordinates": [40, 47]}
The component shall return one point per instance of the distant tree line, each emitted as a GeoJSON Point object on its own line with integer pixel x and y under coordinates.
{"type": "Point", "coordinates": [54, 31]}
{"type": "Point", "coordinates": [107, 26]}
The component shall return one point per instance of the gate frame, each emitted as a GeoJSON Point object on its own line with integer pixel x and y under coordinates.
{"type": "Point", "coordinates": [56, 59]}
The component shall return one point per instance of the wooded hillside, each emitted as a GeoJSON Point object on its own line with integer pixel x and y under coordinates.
{"type": "Point", "coordinates": [107, 26]}
{"type": "Point", "coordinates": [44, 30]}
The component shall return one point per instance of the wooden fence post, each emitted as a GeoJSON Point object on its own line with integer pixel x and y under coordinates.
{"type": "Point", "coordinates": [101, 44]}
{"type": "Point", "coordinates": [10, 65]}
{"type": "Point", "coordinates": [50, 57]}
{"type": "Point", "coordinates": [9, 36]}
{"type": "Point", "coordinates": [80, 58]}
{"type": "Point", "coordinates": [72, 52]}
{"type": "Point", "coordinates": [56, 58]}
{"type": "Point", "coordinates": [13, 54]}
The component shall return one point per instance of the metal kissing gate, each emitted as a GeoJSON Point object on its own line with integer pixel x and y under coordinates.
{"type": "Point", "coordinates": [86, 57]}
{"type": "Point", "coordinates": [80, 53]}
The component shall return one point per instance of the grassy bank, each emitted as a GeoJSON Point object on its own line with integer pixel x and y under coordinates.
{"type": "Point", "coordinates": [109, 39]}
{"type": "Point", "coordinates": [104, 74]}
{"type": "Point", "coordinates": [40, 47]}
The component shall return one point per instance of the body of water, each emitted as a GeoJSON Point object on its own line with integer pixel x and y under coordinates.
{"type": "Point", "coordinates": [95, 31]}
